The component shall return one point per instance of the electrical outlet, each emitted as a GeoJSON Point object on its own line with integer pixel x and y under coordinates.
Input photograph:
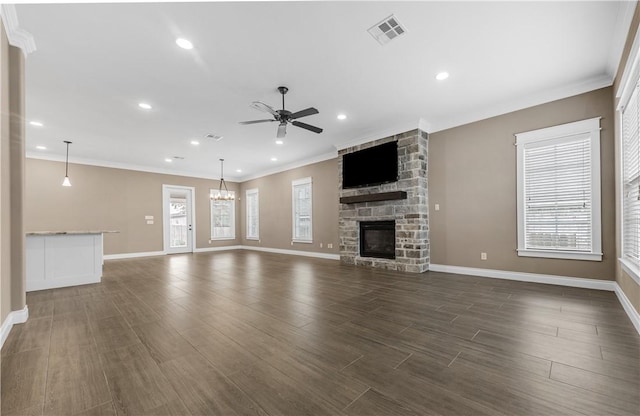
{"type": "Point", "coordinates": [437, 207]}
{"type": "Point", "coordinates": [209, 241]}
{"type": "Point", "coordinates": [483, 256]}
{"type": "Point", "coordinates": [320, 245]}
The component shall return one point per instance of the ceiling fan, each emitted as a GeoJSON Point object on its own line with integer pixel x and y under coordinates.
{"type": "Point", "coordinates": [283, 116]}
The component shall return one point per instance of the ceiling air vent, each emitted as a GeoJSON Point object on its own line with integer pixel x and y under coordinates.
{"type": "Point", "coordinates": [214, 137]}
{"type": "Point", "coordinates": [387, 30]}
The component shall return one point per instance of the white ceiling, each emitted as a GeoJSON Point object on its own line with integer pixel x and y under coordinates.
{"type": "Point", "coordinates": [95, 62]}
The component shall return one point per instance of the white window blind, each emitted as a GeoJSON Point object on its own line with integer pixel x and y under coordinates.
{"type": "Point", "coordinates": [302, 210]}
{"type": "Point", "coordinates": [631, 180]}
{"type": "Point", "coordinates": [223, 225]}
{"type": "Point", "coordinates": [559, 191]}
{"type": "Point", "coordinates": [253, 214]}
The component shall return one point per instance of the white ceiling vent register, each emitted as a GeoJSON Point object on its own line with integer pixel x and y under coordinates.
{"type": "Point", "coordinates": [387, 30]}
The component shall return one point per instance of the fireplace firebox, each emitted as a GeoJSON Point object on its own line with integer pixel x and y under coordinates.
{"type": "Point", "coordinates": [378, 239]}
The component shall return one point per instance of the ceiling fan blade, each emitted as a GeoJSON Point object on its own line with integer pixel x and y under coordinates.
{"type": "Point", "coordinates": [307, 126]}
{"type": "Point", "coordinates": [256, 121]}
{"type": "Point", "coordinates": [264, 107]}
{"type": "Point", "coordinates": [303, 113]}
{"type": "Point", "coordinates": [282, 130]}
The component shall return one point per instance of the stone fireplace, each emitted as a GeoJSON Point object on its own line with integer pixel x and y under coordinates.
{"type": "Point", "coordinates": [387, 226]}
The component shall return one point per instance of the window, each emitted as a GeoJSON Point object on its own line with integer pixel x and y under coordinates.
{"type": "Point", "coordinates": [253, 215]}
{"type": "Point", "coordinates": [631, 181]}
{"type": "Point", "coordinates": [558, 191]}
{"type": "Point", "coordinates": [223, 219]}
{"type": "Point", "coordinates": [301, 192]}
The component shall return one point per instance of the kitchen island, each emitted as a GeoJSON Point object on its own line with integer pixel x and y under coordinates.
{"type": "Point", "coordinates": [63, 258]}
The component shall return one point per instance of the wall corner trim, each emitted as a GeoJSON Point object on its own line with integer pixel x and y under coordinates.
{"type": "Point", "coordinates": [549, 279]}
{"type": "Point", "coordinates": [17, 36]}
{"type": "Point", "coordinates": [15, 317]}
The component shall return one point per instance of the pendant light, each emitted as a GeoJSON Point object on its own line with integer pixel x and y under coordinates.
{"type": "Point", "coordinates": [66, 181]}
{"type": "Point", "coordinates": [223, 195]}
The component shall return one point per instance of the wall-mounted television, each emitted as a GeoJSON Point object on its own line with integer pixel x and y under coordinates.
{"type": "Point", "coordinates": [373, 166]}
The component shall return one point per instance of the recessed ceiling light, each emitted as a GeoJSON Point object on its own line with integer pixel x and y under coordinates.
{"type": "Point", "coordinates": [184, 43]}
{"type": "Point", "coordinates": [168, 160]}
{"type": "Point", "coordinates": [274, 159]}
{"type": "Point", "coordinates": [41, 147]}
{"type": "Point", "coordinates": [279, 141]}
{"type": "Point", "coordinates": [195, 142]}
{"type": "Point", "coordinates": [145, 106]}
{"type": "Point", "coordinates": [239, 170]}
{"type": "Point", "coordinates": [36, 123]}
{"type": "Point", "coordinates": [442, 76]}
{"type": "Point", "coordinates": [342, 116]}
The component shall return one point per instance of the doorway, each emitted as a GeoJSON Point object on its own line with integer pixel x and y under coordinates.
{"type": "Point", "coordinates": [178, 214]}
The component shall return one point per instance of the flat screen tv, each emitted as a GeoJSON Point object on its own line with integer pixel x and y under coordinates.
{"type": "Point", "coordinates": [373, 166]}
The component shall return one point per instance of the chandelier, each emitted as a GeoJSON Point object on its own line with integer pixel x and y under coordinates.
{"type": "Point", "coordinates": [223, 194]}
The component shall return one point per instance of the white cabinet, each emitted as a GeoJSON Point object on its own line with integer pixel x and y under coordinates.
{"type": "Point", "coordinates": [63, 259]}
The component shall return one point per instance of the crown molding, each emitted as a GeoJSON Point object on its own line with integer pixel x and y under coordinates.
{"type": "Point", "coordinates": [626, 9]}
{"type": "Point", "coordinates": [127, 166]}
{"type": "Point", "coordinates": [297, 164]}
{"type": "Point", "coordinates": [17, 36]}
{"type": "Point", "coordinates": [521, 103]}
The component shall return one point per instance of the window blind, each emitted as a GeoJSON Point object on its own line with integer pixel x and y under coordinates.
{"type": "Point", "coordinates": [253, 212]}
{"type": "Point", "coordinates": [223, 218]}
{"type": "Point", "coordinates": [631, 180]}
{"type": "Point", "coordinates": [302, 223]}
{"type": "Point", "coordinates": [558, 194]}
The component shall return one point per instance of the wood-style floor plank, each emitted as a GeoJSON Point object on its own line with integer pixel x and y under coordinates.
{"type": "Point", "coordinates": [204, 390]}
{"type": "Point", "coordinates": [137, 385]}
{"type": "Point", "coordinates": [248, 333]}
{"type": "Point", "coordinates": [75, 381]}
{"type": "Point", "coordinates": [23, 380]}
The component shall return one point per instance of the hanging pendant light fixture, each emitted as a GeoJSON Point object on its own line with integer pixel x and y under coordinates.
{"type": "Point", "coordinates": [66, 181]}
{"type": "Point", "coordinates": [223, 195]}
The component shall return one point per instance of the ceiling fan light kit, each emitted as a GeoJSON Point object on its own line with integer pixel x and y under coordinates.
{"type": "Point", "coordinates": [284, 117]}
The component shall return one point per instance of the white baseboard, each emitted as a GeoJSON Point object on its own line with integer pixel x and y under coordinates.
{"type": "Point", "coordinates": [133, 255]}
{"type": "Point", "coordinates": [15, 317]}
{"type": "Point", "coordinates": [222, 248]}
{"type": "Point", "coordinates": [597, 284]}
{"type": "Point", "coordinates": [628, 307]}
{"type": "Point", "coordinates": [549, 279]}
{"type": "Point", "coordinates": [327, 256]}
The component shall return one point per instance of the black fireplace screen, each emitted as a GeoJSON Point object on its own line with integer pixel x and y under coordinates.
{"type": "Point", "coordinates": [378, 239]}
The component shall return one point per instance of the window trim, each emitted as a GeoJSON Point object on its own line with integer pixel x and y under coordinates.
{"type": "Point", "coordinates": [558, 133]}
{"type": "Point", "coordinates": [303, 181]}
{"type": "Point", "coordinates": [629, 81]}
{"type": "Point", "coordinates": [249, 192]}
{"type": "Point", "coordinates": [233, 216]}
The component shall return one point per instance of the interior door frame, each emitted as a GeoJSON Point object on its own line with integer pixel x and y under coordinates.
{"type": "Point", "coordinates": [166, 194]}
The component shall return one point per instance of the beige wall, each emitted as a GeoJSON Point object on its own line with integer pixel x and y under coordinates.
{"type": "Point", "coordinates": [112, 199]}
{"type": "Point", "coordinates": [276, 212]}
{"type": "Point", "coordinates": [11, 177]}
{"type": "Point", "coordinates": [472, 176]}
{"type": "Point", "coordinates": [5, 218]}
{"type": "Point", "coordinates": [630, 287]}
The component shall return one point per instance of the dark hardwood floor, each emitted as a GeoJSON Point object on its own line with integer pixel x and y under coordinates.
{"type": "Point", "coordinates": [249, 333]}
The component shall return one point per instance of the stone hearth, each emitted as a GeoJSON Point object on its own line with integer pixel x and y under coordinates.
{"type": "Point", "coordinates": [411, 215]}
